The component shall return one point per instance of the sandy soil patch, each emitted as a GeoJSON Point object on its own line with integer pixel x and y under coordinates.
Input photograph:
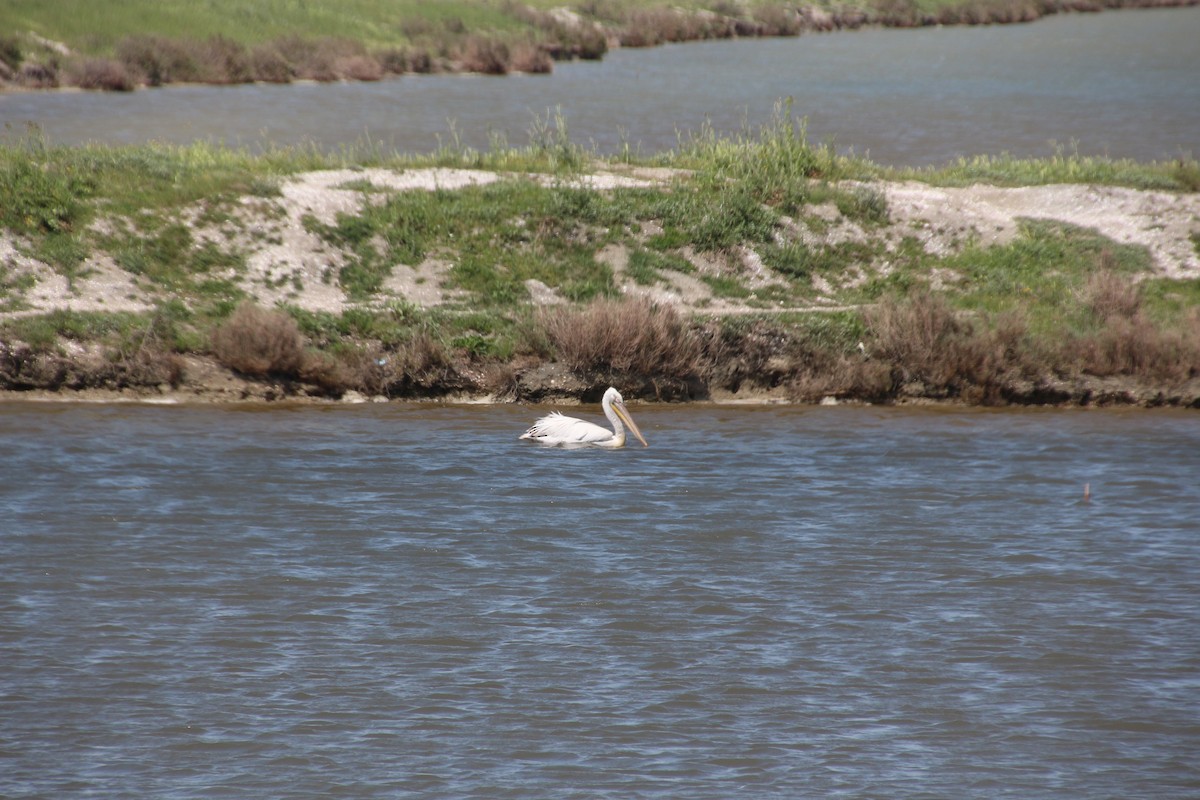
{"type": "Point", "coordinates": [285, 262]}
{"type": "Point", "coordinates": [1159, 221]}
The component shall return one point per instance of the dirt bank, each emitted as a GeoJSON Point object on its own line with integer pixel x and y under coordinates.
{"type": "Point", "coordinates": [287, 262]}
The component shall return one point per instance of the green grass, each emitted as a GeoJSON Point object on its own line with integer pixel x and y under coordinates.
{"type": "Point", "coordinates": [1043, 272]}
{"type": "Point", "coordinates": [97, 27]}
{"type": "Point", "coordinates": [135, 205]}
{"type": "Point", "coordinates": [1062, 167]}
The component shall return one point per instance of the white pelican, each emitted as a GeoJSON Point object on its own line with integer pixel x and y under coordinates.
{"type": "Point", "coordinates": [554, 428]}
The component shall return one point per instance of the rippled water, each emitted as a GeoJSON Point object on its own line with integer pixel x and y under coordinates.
{"type": "Point", "coordinates": [405, 601]}
{"type": "Point", "coordinates": [1121, 84]}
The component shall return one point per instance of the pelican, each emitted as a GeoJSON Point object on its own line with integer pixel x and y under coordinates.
{"type": "Point", "coordinates": [554, 428]}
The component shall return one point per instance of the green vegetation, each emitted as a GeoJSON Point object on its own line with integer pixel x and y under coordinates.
{"type": "Point", "coordinates": [769, 229]}
{"type": "Point", "coordinates": [119, 46]}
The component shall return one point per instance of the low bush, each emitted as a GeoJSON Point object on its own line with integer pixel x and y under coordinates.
{"type": "Point", "coordinates": [158, 60]}
{"type": "Point", "coordinates": [224, 61]}
{"type": "Point", "coordinates": [358, 68]}
{"type": "Point", "coordinates": [629, 337]}
{"type": "Point", "coordinates": [36, 75]}
{"type": "Point", "coordinates": [255, 341]}
{"type": "Point", "coordinates": [528, 57]}
{"type": "Point", "coordinates": [104, 74]}
{"type": "Point", "coordinates": [1109, 294]}
{"type": "Point", "coordinates": [485, 55]}
{"type": "Point", "coordinates": [934, 350]}
{"type": "Point", "coordinates": [269, 66]}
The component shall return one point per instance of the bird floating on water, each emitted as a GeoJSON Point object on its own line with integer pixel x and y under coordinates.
{"type": "Point", "coordinates": [554, 428]}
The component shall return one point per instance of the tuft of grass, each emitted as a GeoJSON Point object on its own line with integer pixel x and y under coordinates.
{"type": "Point", "coordinates": [42, 194]}
{"type": "Point", "coordinates": [1061, 167]}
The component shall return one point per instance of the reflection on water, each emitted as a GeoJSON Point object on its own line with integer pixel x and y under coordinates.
{"type": "Point", "coordinates": [385, 601]}
{"type": "Point", "coordinates": [1119, 83]}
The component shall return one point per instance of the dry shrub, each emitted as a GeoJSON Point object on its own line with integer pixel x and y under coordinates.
{"type": "Point", "coordinates": [223, 61]}
{"type": "Point", "coordinates": [633, 337]}
{"type": "Point", "coordinates": [34, 75]}
{"type": "Point", "coordinates": [1136, 347]}
{"type": "Point", "coordinates": [921, 336]}
{"type": "Point", "coordinates": [845, 377]}
{"type": "Point", "coordinates": [103, 74]}
{"type": "Point", "coordinates": [652, 27]}
{"type": "Point", "coordinates": [319, 59]}
{"type": "Point", "coordinates": [528, 57]}
{"type": "Point", "coordinates": [269, 65]}
{"type": "Point", "coordinates": [422, 61]}
{"type": "Point", "coordinates": [149, 366]}
{"type": "Point", "coordinates": [358, 68]}
{"type": "Point", "coordinates": [1111, 295]}
{"type": "Point", "coordinates": [484, 55]}
{"type": "Point", "coordinates": [926, 343]}
{"type": "Point", "coordinates": [1128, 343]}
{"type": "Point", "coordinates": [255, 341]}
{"type": "Point", "coordinates": [23, 367]}
{"type": "Point", "coordinates": [777, 21]}
{"type": "Point", "coordinates": [747, 350]}
{"type": "Point", "coordinates": [158, 60]}
{"type": "Point", "coordinates": [419, 366]}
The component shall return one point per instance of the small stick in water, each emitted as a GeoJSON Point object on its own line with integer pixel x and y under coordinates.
{"type": "Point", "coordinates": [1087, 492]}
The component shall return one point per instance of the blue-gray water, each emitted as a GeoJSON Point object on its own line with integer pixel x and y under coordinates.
{"type": "Point", "coordinates": [394, 601]}
{"type": "Point", "coordinates": [1121, 84]}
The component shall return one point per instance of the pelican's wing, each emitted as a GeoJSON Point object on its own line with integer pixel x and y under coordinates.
{"type": "Point", "coordinates": [554, 428]}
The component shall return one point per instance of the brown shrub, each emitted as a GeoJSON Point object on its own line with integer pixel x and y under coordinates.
{"type": "Point", "coordinates": [149, 366]}
{"type": "Point", "coordinates": [358, 68]}
{"type": "Point", "coordinates": [421, 61]}
{"type": "Point", "coordinates": [414, 367]}
{"type": "Point", "coordinates": [777, 21]}
{"type": "Point", "coordinates": [157, 60]}
{"type": "Point", "coordinates": [319, 59]}
{"type": "Point", "coordinates": [333, 374]}
{"type": "Point", "coordinates": [1136, 347]}
{"type": "Point", "coordinates": [223, 61]}
{"type": "Point", "coordinates": [269, 65]}
{"type": "Point", "coordinates": [393, 61]}
{"type": "Point", "coordinates": [926, 343]}
{"type": "Point", "coordinates": [633, 337]}
{"type": "Point", "coordinates": [484, 55]}
{"type": "Point", "coordinates": [528, 57]}
{"type": "Point", "coordinates": [920, 335]}
{"type": "Point", "coordinates": [1111, 295]}
{"type": "Point", "coordinates": [103, 74]}
{"type": "Point", "coordinates": [35, 75]}
{"type": "Point", "coordinates": [852, 377]}
{"type": "Point", "coordinates": [255, 341]}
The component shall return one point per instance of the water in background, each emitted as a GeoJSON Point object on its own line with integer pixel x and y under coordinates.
{"type": "Point", "coordinates": [1121, 84]}
{"type": "Point", "coordinates": [405, 601]}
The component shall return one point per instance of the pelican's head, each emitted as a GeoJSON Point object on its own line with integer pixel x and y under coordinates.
{"type": "Point", "coordinates": [613, 400]}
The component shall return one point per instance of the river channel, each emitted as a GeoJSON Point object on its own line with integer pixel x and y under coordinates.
{"type": "Point", "coordinates": [393, 601]}
{"type": "Point", "coordinates": [1120, 84]}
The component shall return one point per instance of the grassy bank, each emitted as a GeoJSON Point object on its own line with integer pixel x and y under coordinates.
{"type": "Point", "coordinates": [138, 269]}
{"type": "Point", "coordinates": [50, 43]}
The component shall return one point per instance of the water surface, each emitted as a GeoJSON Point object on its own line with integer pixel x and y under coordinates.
{"type": "Point", "coordinates": [1121, 84]}
{"type": "Point", "coordinates": [406, 601]}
